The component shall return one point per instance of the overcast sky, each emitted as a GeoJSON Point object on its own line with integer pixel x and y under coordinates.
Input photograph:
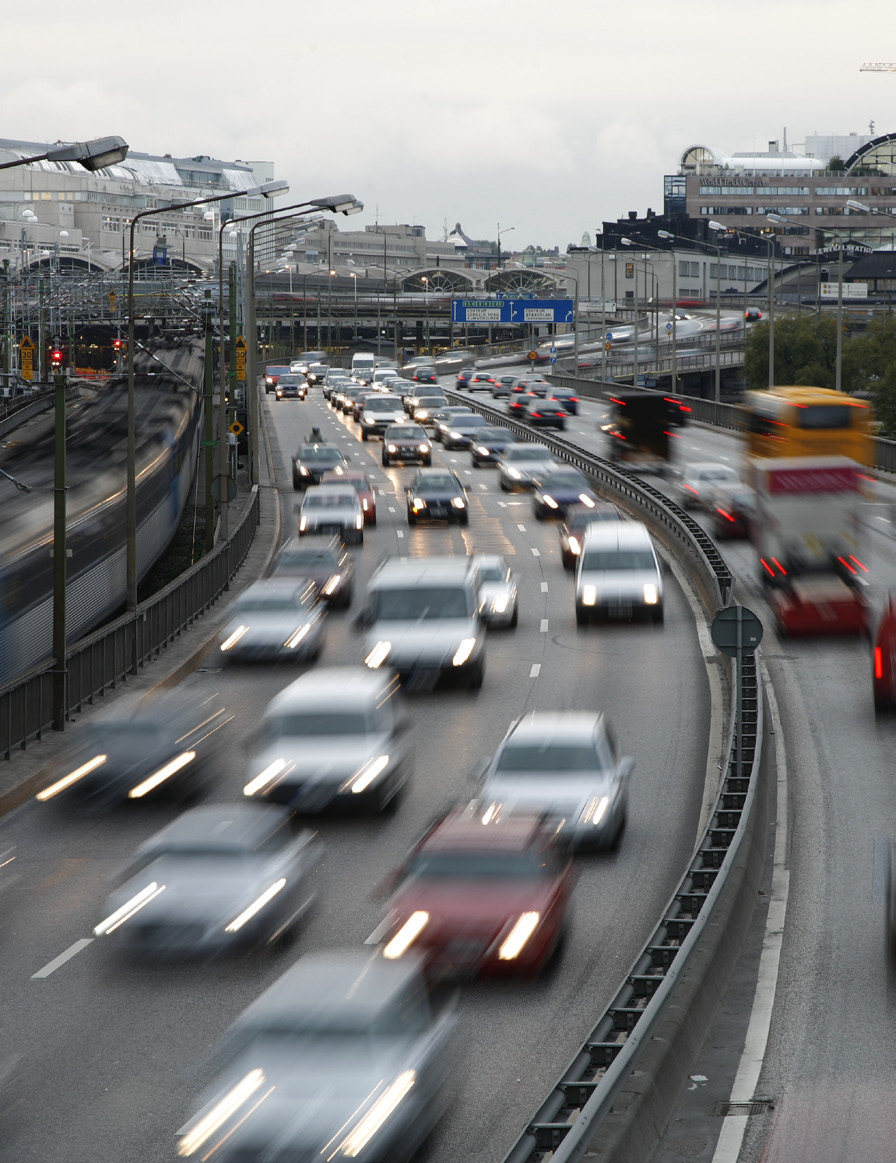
{"type": "Point", "coordinates": [548, 118]}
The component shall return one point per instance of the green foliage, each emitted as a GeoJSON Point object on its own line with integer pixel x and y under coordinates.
{"type": "Point", "coordinates": [805, 352]}
{"type": "Point", "coordinates": [869, 365]}
{"type": "Point", "coordinates": [836, 165]}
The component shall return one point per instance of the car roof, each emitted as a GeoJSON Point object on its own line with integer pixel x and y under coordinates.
{"type": "Point", "coordinates": [333, 489]}
{"type": "Point", "coordinates": [419, 569]}
{"type": "Point", "coordinates": [556, 726]}
{"type": "Point", "coordinates": [354, 983]}
{"type": "Point", "coordinates": [241, 825]}
{"type": "Point", "coordinates": [616, 534]}
{"type": "Point", "coordinates": [271, 585]}
{"type": "Point", "coordinates": [332, 686]}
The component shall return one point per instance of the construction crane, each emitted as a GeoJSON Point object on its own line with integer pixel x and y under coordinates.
{"type": "Point", "coordinates": [879, 67]}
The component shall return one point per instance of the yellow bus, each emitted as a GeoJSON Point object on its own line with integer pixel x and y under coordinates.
{"type": "Point", "coordinates": [797, 421]}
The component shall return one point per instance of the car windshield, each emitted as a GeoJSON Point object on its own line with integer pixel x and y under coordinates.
{"type": "Point", "coordinates": [322, 456]}
{"type": "Point", "coordinates": [312, 723]}
{"type": "Point", "coordinates": [329, 500]}
{"type": "Point", "coordinates": [565, 480]}
{"type": "Point", "coordinates": [605, 560]}
{"type": "Point", "coordinates": [414, 603]}
{"type": "Point", "coordinates": [541, 757]}
{"type": "Point", "coordinates": [296, 558]}
{"type": "Point", "coordinates": [496, 434]}
{"type": "Point", "coordinates": [469, 422]}
{"type": "Point", "coordinates": [493, 572]}
{"type": "Point", "coordinates": [475, 865]}
{"type": "Point", "coordinates": [527, 452]}
{"type": "Point", "coordinates": [406, 433]}
{"type": "Point", "coordinates": [442, 481]}
{"type": "Point", "coordinates": [261, 604]}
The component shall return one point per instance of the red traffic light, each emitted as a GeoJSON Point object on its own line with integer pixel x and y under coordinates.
{"type": "Point", "coordinates": [56, 357]}
{"type": "Point", "coordinates": [116, 343]}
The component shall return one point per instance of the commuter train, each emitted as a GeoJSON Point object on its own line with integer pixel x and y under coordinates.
{"type": "Point", "coordinates": [168, 430]}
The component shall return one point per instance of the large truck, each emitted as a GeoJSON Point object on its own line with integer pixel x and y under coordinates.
{"type": "Point", "coordinates": [806, 530]}
{"type": "Point", "coordinates": [637, 426]}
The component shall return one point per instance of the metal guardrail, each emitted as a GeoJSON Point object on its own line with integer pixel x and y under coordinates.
{"type": "Point", "coordinates": [19, 411]}
{"type": "Point", "coordinates": [574, 1111]}
{"type": "Point", "coordinates": [579, 1104]}
{"type": "Point", "coordinates": [105, 657]}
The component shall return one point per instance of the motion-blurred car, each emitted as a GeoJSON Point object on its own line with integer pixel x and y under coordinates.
{"type": "Point", "coordinates": [752, 315]}
{"type": "Point", "coordinates": [490, 442]}
{"type": "Point", "coordinates": [328, 565]}
{"type": "Point", "coordinates": [343, 1057]}
{"type": "Point", "coordinates": [883, 657]}
{"type": "Point", "coordinates": [274, 620]}
{"type": "Point", "coordinates": [566, 398]}
{"type": "Point", "coordinates": [463, 377]}
{"type": "Point", "coordinates": [521, 464]}
{"type": "Point", "coordinates": [575, 523]}
{"type": "Point", "coordinates": [480, 382]}
{"type": "Point", "coordinates": [695, 483]}
{"type": "Point", "coordinates": [546, 414]}
{"type": "Point", "coordinates": [291, 387]}
{"type": "Point", "coordinates": [425, 375]}
{"type": "Point", "coordinates": [555, 491]}
{"type": "Point", "coordinates": [422, 408]}
{"type": "Point", "coordinates": [166, 746]}
{"type": "Point", "coordinates": [618, 574]}
{"type": "Point", "coordinates": [334, 739]}
{"type": "Point", "coordinates": [436, 494]}
{"type": "Point", "coordinates": [442, 419]}
{"type": "Point", "coordinates": [462, 430]}
{"type": "Point", "coordinates": [379, 413]}
{"type": "Point", "coordinates": [332, 509]}
{"type": "Point", "coordinates": [563, 764]}
{"type": "Point", "coordinates": [532, 382]}
{"type": "Point", "coordinates": [503, 386]}
{"type": "Point", "coordinates": [732, 506]}
{"type": "Point", "coordinates": [483, 893]}
{"type": "Point", "coordinates": [272, 374]}
{"type": "Point", "coordinates": [363, 486]}
{"type": "Point", "coordinates": [406, 443]}
{"type": "Point", "coordinates": [311, 462]}
{"type": "Point", "coordinates": [218, 879]}
{"type": "Point", "coordinates": [518, 404]}
{"type": "Point", "coordinates": [500, 597]}
{"type": "Point", "coordinates": [316, 373]}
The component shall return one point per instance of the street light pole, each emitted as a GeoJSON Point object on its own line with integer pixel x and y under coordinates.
{"type": "Point", "coordinates": [500, 232]}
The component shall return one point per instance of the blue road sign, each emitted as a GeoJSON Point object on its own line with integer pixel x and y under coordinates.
{"type": "Point", "coordinates": [512, 310]}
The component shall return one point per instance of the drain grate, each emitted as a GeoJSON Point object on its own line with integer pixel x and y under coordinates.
{"type": "Point", "coordinates": [758, 1106]}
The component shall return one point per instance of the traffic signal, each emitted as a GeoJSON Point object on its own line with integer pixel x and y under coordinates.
{"type": "Point", "coordinates": [56, 357]}
{"type": "Point", "coordinates": [116, 344]}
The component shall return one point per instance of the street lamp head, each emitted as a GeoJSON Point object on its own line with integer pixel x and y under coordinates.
{"type": "Point", "coordinates": [777, 219]}
{"type": "Point", "coordinates": [338, 204]}
{"type": "Point", "coordinates": [665, 234]}
{"type": "Point", "coordinates": [29, 215]}
{"type": "Point", "coordinates": [626, 242]}
{"type": "Point", "coordinates": [92, 155]}
{"type": "Point", "coordinates": [272, 189]}
{"type": "Point", "coordinates": [852, 204]}
{"type": "Point", "coordinates": [716, 226]}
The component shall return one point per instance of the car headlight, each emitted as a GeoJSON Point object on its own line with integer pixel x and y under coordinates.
{"type": "Point", "coordinates": [595, 810]}
{"type": "Point", "coordinates": [424, 447]}
{"type": "Point", "coordinates": [482, 450]}
{"type": "Point", "coordinates": [463, 652]}
{"type": "Point", "coordinates": [419, 503]}
{"type": "Point", "coordinates": [231, 640]}
{"type": "Point", "coordinates": [515, 941]}
{"type": "Point", "coordinates": [359, 520]}
{"type": "Point", "coordinates": [453, 433]}
{"type": "Point", "coordinates": [589, 595]}
{"type": "Point", "coordinates": [295, 638]}
{"type": "Point", "coordinates": [362, 779]}
{"type": "Point", "coordinates": [651, 595]}
{"type": "Point", "coordinates": [406, 935]}
{"type": "Point", "coordinates": [515, 473]}
{"type": "Point", "coordinates": [586, 500]}
{"type": "Point", "coordinates": [574, 546]}
{"type": "Point", "coordinates": [384, 1107]}
{"type": "Point", "coordinates": [549, 501]}
{"type": "Point", "coordinates": [332, 584]}
{"type": "Point", "coordinates": [458, 502]}
{"type": "Point", "coordinates": [378, 655]}
{"type": "Point", "coordinates": [266, 777]}
{"type": "Point", "coordinates": [129, 909]}
{"type": "Point", "coordinates": [303, 471]}
{"type": "Point", "coordinates": [392, 448]}
{"type": "Point", "coordinates": [421, 414]}
{"type": "Point", "coordinates": [257, 905]}
{"type": "Point", "coordinates": [220, 1113]}
{"type": "Point", "coordinates": [499, 604]}
{"type": "Point", "coordinates": [157, 777]}
{"type": "Point", "coordinates": [72, 777]}
{"type": "Point", "coordinates": [303, 524]}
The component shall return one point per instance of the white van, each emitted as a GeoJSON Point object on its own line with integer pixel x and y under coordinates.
{"type": "Point", "coordinates": [363, 366]}
{"type": "Point", "coordinates": [618, 573]}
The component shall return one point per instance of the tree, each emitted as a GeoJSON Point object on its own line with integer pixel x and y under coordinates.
{"type": "Point", "coordinates": [869, 365]}
{"type": "Point", "coordinates": [805, 352]}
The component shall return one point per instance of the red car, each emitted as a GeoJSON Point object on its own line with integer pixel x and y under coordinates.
{"type": "Point", "coordinates": [362, 486]}
{"type": "Point", "coordinates": [884, 659]}
{"type": "Point", "coordinates": [272, 374]}
{"type": "Point", "coordinates": [484, 893]}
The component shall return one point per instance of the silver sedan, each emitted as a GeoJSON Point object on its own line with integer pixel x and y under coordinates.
{"type": "Point", "coordinates": [343, 1057]}
{"type": "Point", "coordinates": [217, 879]}
{"type": "Point", "coordinates": [500, 597]}
{"type": "Point", "coordinates": [275, 620]}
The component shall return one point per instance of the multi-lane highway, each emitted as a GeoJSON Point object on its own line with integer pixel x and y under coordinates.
{"type": "Point", "coordinates": [112, 1054]}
